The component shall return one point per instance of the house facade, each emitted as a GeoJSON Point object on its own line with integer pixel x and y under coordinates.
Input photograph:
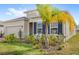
{"type": "Point", "coordinates": [77, 28]}
{"type": "Point", "coordinates": [32, 24]}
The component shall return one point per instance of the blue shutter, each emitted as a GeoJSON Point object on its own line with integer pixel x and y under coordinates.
{"type": "Point", "coordinates": [43, 28]}
{"type": "Point", "coordinates": [49, 29]}
{"type": "Point", "coordinates": [59, 28]}
{"type": "Point", "coordinates": [34, 27]}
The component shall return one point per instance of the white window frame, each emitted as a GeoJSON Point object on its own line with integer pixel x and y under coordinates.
{"type": "Point", "coordinates": [53, 27]}
{"type": "Point", "coordinates": [39, 28]}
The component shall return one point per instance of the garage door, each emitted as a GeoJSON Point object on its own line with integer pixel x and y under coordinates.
{"type": "Point", "coordinates": [13, 30]}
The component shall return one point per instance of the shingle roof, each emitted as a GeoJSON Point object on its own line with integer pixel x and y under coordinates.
{"type": "Point", "coordinates": [17, 19]}
{"type": "Point", "coordinates": [29, 11]}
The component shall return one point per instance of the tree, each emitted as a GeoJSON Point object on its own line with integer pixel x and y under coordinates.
{"type": "Point", "coordinates": [47, 12]}
{"type": "Point", "coordinates": [63, 17]}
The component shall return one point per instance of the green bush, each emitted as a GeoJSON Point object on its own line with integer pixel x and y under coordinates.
{"type": "Point", "coordinates": [10, 38]}
{"type": "Point", "coordinates": [60, 39]}
{"type": "Point", "coordinates": [42, 39]}
{"type": "Point", "coordinates": [30, 39]}
{"type": "Point", "coordinates": [36, 46]}
{"type": "Point", "coordinates": [52, 40]}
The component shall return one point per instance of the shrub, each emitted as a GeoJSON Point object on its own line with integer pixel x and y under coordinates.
{"type": "Point", "coordinates": [42, 39]}
{"type": "Point", "coordinates": [10, 38]}
{"type": "Point", "coordinates": [30, 39]}
{"type": "Point", "coordinates": [60, 39]}
{"type": "Point", "coordinates": [52, 40]}
{"type": "Point", "coordinates": [20, 34]}
{"type": "Point", "coordinates": [36, 46]}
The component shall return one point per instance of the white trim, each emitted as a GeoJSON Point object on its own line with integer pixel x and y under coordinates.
{"type": "Point", "coordinates": [37, 27]}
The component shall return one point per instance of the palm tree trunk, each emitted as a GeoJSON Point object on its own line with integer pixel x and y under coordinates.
{"type": "Point", "coordinates": [46, 36]}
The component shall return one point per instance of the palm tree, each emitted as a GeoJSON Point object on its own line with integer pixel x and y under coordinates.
{"type": "Point", "coordinates": [63, 17]}
{"type": "Point", "coordinates": [47, 13]}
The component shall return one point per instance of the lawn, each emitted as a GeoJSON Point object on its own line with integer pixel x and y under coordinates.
{"type": "Point", "coordinates": [18, 49]}
{"type": "Point", "coordinates": [71, 48]}
{"type": "Point", "coordinates": [73, 45]}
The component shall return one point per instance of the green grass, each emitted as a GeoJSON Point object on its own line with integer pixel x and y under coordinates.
{"type": "Point", "coordinates": [18, 49]}
{"type": "Point", "coordinates": [74, 44]}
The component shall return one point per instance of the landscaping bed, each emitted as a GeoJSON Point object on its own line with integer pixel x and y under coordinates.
{"type": "Point", "coordinates": [20, 48]}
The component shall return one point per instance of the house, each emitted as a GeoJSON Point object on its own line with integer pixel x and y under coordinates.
{"type": "Point", "coordinates": [15, 25]}
{"type": "Point", "coordinates": [32, 24]}
{"type": "Point", "coordinates": [77, 28]}
{"type": "Point", "coordinates": [1, 29]}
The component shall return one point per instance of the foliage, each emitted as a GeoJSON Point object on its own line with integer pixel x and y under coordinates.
{"type": "Point", "coordinates": [51, 14]}
{"type": "Point", "coordinates": [36, 46]}
{"type": "Point", "coordinates": [30, 39]}
{"type": "Point", "coordinates": [60, 38]}
{"type": "Point", "coordinates": [45, 12]}
{"type": "Point", "coordinates": [52, 40]}
{"type": "Point", "coordinates": [10, 38]}
{"type": "Point", "coordinates": [64, 17]}
{"type": "Point", "coordinates": [42, 39]}
{"type": "Point", "coordinates": [71, 22]}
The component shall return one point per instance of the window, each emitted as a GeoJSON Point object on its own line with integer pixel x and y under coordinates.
{"type": "Point", "coordinates": [1, 25]}
{"type": "Point", "coordinates": [54, 31]}
{"type": "Point", "coordinates": [54, 25]}
{"type": "Point", "coordinates": [39, 28]}
{"type": "Point", "coordinates": [54, 28]}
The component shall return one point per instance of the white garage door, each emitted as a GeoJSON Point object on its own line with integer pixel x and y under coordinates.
{"type": "Point", "coordinates": [13, 30]}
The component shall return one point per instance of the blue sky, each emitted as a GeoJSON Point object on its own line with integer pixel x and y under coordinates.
{"type": "Point", "coordinates": [11, 11]}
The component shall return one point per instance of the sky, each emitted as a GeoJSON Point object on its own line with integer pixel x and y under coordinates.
{"type": "Point", "coordinates": [12, 11]}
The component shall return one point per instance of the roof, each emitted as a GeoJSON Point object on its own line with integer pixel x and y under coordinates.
{"type": "Point", "coordinates": [38, 16]}
{"type": "Point", "coordinates": [17, 19]}
{"type": "Point", "coordinates": [29, 11]}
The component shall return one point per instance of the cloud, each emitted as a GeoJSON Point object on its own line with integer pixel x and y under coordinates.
{"type": "Point", "coordinates": [8, 13]}
{"type": "Point", "coordinates": [16, 12]}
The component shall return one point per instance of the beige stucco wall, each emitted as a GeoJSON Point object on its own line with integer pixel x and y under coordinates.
{"type": "Point", "coordinates": [66, 31]}
{"type": "Point", "coordinates": [26, 28]}
{"type": "Point", "coordinates": [2, 29]}
{"type": "Point", "coordinates": [16, 24]}
{"type": "Point", "coordinates": [32, 13]}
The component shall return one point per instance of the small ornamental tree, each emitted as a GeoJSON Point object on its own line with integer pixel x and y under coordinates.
{"type": "Point", "coordinates": [47, 14]}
